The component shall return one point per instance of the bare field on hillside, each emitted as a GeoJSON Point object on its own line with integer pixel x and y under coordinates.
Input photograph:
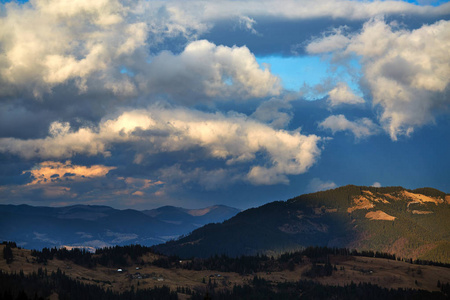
{"type": "Point", "coordinates": [382, 272]}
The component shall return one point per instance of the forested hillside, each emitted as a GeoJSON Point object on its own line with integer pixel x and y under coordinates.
{"type": "Point", "coordinates": [408, 223]}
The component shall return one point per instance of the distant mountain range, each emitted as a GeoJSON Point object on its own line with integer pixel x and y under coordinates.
{"type": "Point", "coordinates": [100, 226]}
{"type": "Point", "coordinates": [408, 223]}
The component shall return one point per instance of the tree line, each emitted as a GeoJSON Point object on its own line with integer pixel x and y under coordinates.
{"type": "Point", "coordinates": [261, 289]}
{"type": "Point", "coordinates": [120, 256]}
{"type": "Point", "coordinates": [40, 285]}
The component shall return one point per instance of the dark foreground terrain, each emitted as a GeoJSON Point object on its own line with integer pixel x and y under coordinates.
{"type": "Point", "coordinates": [314, 273]}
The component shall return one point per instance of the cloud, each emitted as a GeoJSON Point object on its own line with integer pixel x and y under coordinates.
{"type": "Point", "coordinates": [376, 184]}
{"type": "Point", "coordinates": [329, 42]}
{"type": "Point", "coordinates": [247, 23]}
{"type": "Point", "coordinates": [274, 112]}
{"type": "Point", "coordinates": [50, 180]}
{"type": "Point", "coordinates": [172, 19]}
{"type": "Point", "coordinates": [316, 185]}
{"type": "Point", "coordinates": [48, 172]}
{"type": "Point", "coordinates": [303, 9]}
{"type": "Point", "coordinates": [361, 128]}
{"type": "Point", "coordinates": [57, 146]}
{"type": "Point", "coordinates": [407, 72]}
{"type": "Point", "coordinates": [48, 43]}
{"type": "Point", "coordinates": [342, 94]}
{"type": "Point", "coordinates": [204, 70]}
{"type": "Point", "coordinates": [233, 138]}
{"type": "Point", "coordinates": [93, 43]}
{"type": "Point", "coordinates": [57, 183]}
{"type": "Point", "coordinates": [216, 179]}
{"type": "Point", "coordinates": [140, 183]}
{"type": "Point", "coordinates": [317, 91]}
{"type": "Point", "coordinates": [145, 92]}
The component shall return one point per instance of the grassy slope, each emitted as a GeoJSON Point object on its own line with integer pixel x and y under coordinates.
{"type": "Point", "coordinates": [385, 273]}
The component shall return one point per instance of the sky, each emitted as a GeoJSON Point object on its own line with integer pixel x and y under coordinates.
{"type": "Point", "coordinates": [141, 104]}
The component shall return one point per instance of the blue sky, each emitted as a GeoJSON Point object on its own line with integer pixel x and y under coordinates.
{"type": "Point", "coordinates": [428, 2]}
{"type": "Point", "coordinates": [145, 104]}
{"type": "Point", "coordinates": [295, 71]}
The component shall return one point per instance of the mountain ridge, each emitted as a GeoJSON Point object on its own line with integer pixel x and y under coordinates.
{"type": "Point", "coordinates": [95, 225]}
{"type": "Point", "coordinates": [410, 223]}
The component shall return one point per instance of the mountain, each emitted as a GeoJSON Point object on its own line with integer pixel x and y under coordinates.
{"type": "Point", "coordinates": [192, 217]}
{"type": "Point", "coordinates": [100, 226]}
{"type": "Point", "coordinates": [408, 223]}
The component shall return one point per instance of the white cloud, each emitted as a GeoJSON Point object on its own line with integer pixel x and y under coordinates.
{"type": "Point", "coordinates": [376, 184]}
{"type": "Point", "coordinates": [361, 128]}
{"type": "Point", "coordinates": [168, 19]}
{"type": "Point", "coordinates": [316, 185]}
{"type": "Point", "coordinates": [66, 145]}
{"type": "Point", "coordinates": [330, 43]}
{"type": "Point", "coordinates": [247, 23]}
{"type": "Point", "coordinates": [233, 138]}
{"type": "Point", "coordinates": [407, 72]}
{"type": "Point", "coordinates": [47, 43]}
{"type": "Point", "coordinates": [342, 94]}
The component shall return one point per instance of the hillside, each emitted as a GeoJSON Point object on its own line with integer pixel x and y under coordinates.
{"type": "Point", "coordinates": [311, 274]}
{"type": "Point", "coordinates": [408, 223]}
{"type": "Point", "coordinates": [100, 226]}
